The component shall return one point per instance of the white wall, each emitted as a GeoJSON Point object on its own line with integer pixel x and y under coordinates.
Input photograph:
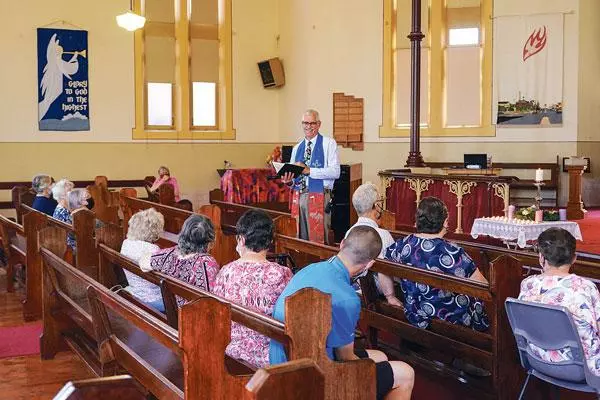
{"type": "Point", "coordinates": [337, 45]}
{"type": "Point", "coordinates": [111, 69]}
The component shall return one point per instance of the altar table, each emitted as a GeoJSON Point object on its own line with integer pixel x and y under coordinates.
{"type": "Point", "coordinates": [250, 186]}
{"type": "Point", "coordinates": [467, 197]}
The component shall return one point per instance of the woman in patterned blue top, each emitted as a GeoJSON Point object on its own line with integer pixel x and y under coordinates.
{"type": "Point", "coordinates": [428, 250]}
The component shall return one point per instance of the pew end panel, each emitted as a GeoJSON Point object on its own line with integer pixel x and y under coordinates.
{"type": "Point", "coordinates": [114, 387]}
{"type": "Point", "coordinates": [67, 319]}
{"type": "Point", "coordinates": [33, 222]}
{"type": "Point", "coordinates": [294, 380]}
{"type": "Point", "coordinates": [346, 379]}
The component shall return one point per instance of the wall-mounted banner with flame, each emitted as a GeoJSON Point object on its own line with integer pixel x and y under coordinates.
{"type": "Point", "coordinates": [528, 70]}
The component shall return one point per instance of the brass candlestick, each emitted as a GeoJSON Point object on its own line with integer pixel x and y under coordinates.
{"type": "Point", "coordinates": [538, 196]}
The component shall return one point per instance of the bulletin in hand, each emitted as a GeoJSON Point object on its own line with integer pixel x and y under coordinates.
{"type": "Point", "coordinates": [283, 168]}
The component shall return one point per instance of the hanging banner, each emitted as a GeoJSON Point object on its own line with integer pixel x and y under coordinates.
{"type": "Point", "coordinates": [63, 85]}
{"type": "Point", "coordinates": [528, 70]}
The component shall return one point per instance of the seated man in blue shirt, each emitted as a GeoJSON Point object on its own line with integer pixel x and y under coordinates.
{"type": "Point", "coordinates": [358, 251]}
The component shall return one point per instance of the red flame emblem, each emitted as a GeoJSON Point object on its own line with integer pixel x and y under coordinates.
{"type": "Point", "coordinates": [535, 43]}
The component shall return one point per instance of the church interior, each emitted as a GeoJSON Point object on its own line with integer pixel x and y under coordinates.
{"type": "Point", "coordinates": [489, 107]}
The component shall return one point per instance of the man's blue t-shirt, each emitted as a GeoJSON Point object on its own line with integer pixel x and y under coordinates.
{"type": "Point", "coordinates": [329, 277]}
{"type": "Point", "coordinates": [47, 205]}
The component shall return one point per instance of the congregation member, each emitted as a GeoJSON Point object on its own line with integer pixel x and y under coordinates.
{"type": "Point", "coordinates": [165, 178]}
{"type": "Point", "coordinates": [358, 250]}
{"type": "Point", "coordinates": [427, 249]}
{"type": "Point", "coordinates": [77, 199]}
{"type": "Point", "coordinates": [369, 208]}
{"type": "Point", "coordinates": [59, 193]}
{"type": "Point", "coordinates": [312, 191]}
{"type": "Point", "coordinates": [43, 202]}
{"type": "Point", "coordinates": [253, 282]}
{"type": "Point", "coordinates": [189, 260]}
{"type": "Point", "coordinates": [558, 287]}
{"type": "Point", "coordinates": [144, 230]}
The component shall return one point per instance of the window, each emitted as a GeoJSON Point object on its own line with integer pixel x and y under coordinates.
{"type": "Point", "coordinates": [183, 70]}
{"type": "Point", "coordinates": [456, 68]}
{"type": "Point", "coordinates": [463, 36]}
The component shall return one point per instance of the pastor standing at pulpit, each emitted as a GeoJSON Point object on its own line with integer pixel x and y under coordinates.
{"type": "Point", "coordinates": [312, 191]}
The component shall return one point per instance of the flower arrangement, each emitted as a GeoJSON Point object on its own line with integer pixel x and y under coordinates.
{"type": "Point", "coordinates": [274, 156]}
{"type": "Point", "coordinates": [528, 214]}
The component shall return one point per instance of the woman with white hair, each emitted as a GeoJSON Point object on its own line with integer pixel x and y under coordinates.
{"type": "Point", "coordinates": [369, 207]}
{"type": "Point", "coordinates": [42, 186]}
{"type": "Point", "coordinates": [75, 199]}
{"type": "Point", "coordinates": [145, 228]}
{"type": "Point", "coordinates": [59, 192]}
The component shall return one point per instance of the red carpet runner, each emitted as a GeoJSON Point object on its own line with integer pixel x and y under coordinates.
{"type": "Point", "coordinates": [20, 340]}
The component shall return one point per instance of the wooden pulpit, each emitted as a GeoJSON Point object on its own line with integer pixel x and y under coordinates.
{"type": "Point", "coordinates": [575, 205]}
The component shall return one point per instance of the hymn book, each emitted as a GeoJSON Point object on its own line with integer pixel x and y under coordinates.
{"type": "Point", "coordinates": [283, 168]}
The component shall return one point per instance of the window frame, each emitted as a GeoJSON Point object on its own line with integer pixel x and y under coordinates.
{"type": "Point", "coordinates": [435, 127]}
{"type": "Point", "coordinates": [182, 89]}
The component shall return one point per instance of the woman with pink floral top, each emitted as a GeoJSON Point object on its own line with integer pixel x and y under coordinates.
{"type": "Point", "coordinates": [556, 286]}
{"type": "Point", "coordinates": [189, 261]}
{"type": "Point", "coordinates": [252, 282]}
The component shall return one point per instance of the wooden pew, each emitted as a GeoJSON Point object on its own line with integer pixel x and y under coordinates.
{"type": "Point", "coordinates": [112, 387]}
{"type": "Point", "coordinates": [494, 350]}
{"type": "Point", "coordinates": [585, 265]}
{"type": "Point", "coordinates": [106, 203]}
{"type": "Point", "coordinates": [172, 362]}
{"type": "Point", "coordinates": [21, 195]}
{"type": "Point", "coordinates": [303, 334]}
{"type": "Point", "coordinates": [14, 246]}
{"type": "Point", "coordinates": [33, 223]}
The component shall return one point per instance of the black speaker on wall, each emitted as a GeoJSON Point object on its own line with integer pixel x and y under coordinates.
{"type": "Point", "coordinates": [271, 73]}
{"type": "Point", "coordinates": [340, 212]}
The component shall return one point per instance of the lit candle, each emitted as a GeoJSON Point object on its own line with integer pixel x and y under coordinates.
{"type": "Point", "coordinates": [539, 175]}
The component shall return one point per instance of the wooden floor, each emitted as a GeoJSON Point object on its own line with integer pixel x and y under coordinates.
{"type": "Point", "coordinates": [29, 377]}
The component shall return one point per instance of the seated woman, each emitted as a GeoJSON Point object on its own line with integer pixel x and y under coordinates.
{"type": "Point", "coordinates": [369, 207]}
{"type": "Point", "coordinates": [427, 249]}
{"type": "Point", "coordinates": [76, 199]}
{"type": "Point", "coordinates": [253, 282]}
{"type": "Point", "coordinates": [556, 286]}
{"type": "Point", "coordinates": [59, 192]}
{"type": "Point", "coordinates": [164, 177]}
{"type": "Point", "coordinates": [145, 228]}
{"type": "Point", "coordinates": [189, 261]}
{"type": "Point", "coordinates": [42, 186]}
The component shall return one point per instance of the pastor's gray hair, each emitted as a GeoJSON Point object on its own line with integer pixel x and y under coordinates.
{"type": "Point", "coordinates": [312, 112]}
{"type": "Point", "coordinates": [196, 235]}
{"type": "Point", "coordinates": [364, 198]}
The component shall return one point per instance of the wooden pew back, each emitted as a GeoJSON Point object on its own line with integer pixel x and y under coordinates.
{"type": "Point", "coordinates": [14, 247]}
{"type": "Point", "coordinates": [493, 350]}
{"type": "Point", "coordinates": [169, 362]}
{"type": "Point", "coordinates": [303, 334]}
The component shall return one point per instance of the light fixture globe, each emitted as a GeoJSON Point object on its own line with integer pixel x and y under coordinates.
{"type": "Point", "coordinates": [130, 21]}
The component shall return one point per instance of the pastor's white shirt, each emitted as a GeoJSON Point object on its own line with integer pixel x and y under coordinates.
{"type": "Point", "coordinates": [331, 171]}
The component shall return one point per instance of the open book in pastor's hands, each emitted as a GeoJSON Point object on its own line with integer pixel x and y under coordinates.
{"type": "Point", "coordinates": [283, 168]}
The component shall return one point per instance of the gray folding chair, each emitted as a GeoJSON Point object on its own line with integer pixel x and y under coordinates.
{"type": "Point", "coordinates": [550, 327]}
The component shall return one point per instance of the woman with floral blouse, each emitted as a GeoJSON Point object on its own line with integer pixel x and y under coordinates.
{"type": "Point", "coordinates": [558, 287]}
{"type": "Point", "coordinates": [253, 282]}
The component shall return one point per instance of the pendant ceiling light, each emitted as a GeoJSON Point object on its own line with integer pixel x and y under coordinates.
{"type": "Point", "coordinates": [130, 20]}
